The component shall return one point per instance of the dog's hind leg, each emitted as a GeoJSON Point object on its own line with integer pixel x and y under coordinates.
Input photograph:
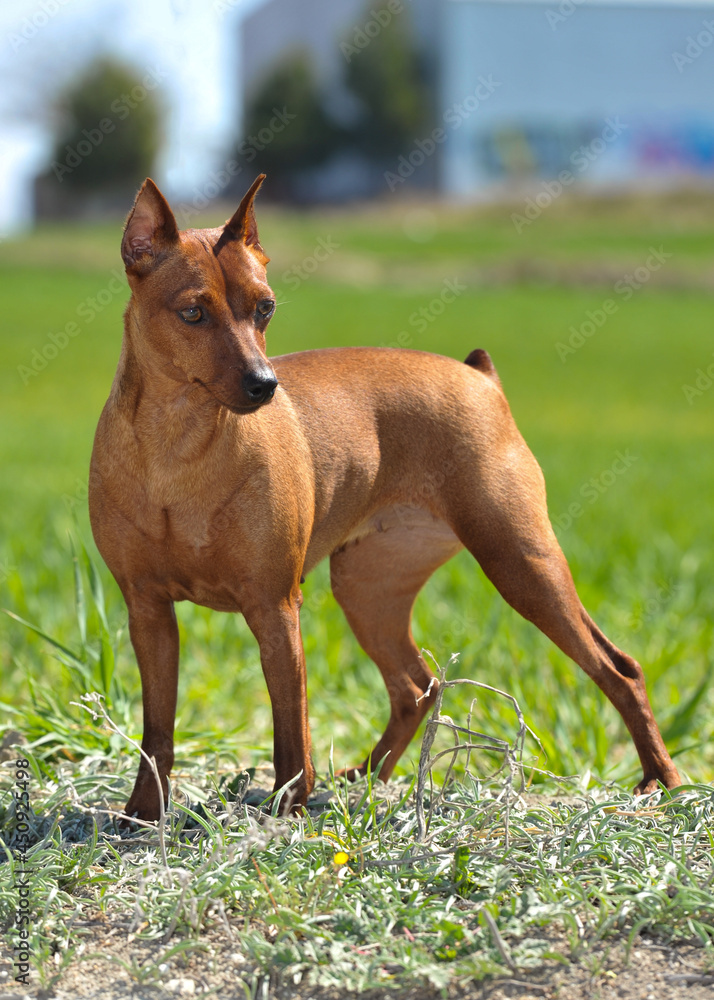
{"type": "Point", "coordinates": [376, 580]}
{"type": "Point", "coordinates": [502, 519]}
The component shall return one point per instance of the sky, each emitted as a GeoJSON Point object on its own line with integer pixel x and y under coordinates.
{"type": "Point", "coordinates": [192, 45]}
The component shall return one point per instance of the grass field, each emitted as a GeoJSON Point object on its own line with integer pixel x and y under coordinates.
{"type": "Point", "coordinates": [598, 317]}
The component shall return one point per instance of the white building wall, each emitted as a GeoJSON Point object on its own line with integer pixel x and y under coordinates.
{"type": "Point", "coordinates": [560, 71]}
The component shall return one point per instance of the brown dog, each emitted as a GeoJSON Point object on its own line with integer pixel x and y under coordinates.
{"type": "Point", "coordinates": [221, 478]}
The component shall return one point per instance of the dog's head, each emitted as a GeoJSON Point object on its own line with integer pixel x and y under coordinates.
{"type": "Point", "coordinates": [200, 299]}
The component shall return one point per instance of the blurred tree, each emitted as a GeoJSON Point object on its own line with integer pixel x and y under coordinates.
{"type": "Point", "coordinates": [109, 132]}
{"type": "Point", "coordinates": [378, 107]}
{"type": "Point", "coordinates": [287, 129]}
{"type": "Point", "coordinates": [389, 80]}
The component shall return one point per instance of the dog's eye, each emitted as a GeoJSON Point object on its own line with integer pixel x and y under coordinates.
{"type": "Point", "coordinates": [191, 315]}
{"type": "Point", "coordinates": [265, 307]}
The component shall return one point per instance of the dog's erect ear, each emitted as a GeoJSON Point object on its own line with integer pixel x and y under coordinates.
{"type": "Point", "coordinates": [243, 226]}
{"type": "Point", "coordinates": [150, 228]}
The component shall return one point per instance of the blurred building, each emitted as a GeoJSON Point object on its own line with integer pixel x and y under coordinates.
{"type": "Point", "coordinates": [602, 91]}
{"type": "Point", "coordinates": [615, 92]}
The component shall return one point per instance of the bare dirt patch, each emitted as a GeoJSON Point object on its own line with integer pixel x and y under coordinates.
{"type": "Point", "coordinates": [109, 968]}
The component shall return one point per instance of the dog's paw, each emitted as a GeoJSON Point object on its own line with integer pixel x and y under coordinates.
{"type": "Point", "coordinates": [143, 805]}
{"type": "Point", "coordinates": [650, 784]}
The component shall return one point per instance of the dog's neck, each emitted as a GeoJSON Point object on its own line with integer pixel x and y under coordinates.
{"type": "Point", "coordinates": [179, 418]}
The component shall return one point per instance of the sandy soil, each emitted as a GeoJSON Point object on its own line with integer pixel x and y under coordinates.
{"type": "Point", "coordinates": [655, 972]}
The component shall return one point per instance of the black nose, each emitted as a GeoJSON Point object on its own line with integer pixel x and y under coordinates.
{"type": "Point", "coordinates": [259, 386]}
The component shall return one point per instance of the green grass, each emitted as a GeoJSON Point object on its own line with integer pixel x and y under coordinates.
{"type": "Point", "coordinates": [640, 553]}
{"type": "Point", "coordinates": [375, 886]}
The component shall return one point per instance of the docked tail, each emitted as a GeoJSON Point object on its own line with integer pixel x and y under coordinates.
{"type": "Point", "coordinates": [481, 360]}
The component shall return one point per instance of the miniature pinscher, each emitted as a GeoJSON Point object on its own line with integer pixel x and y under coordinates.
{"type": "Point", "coordinates": [222, 477]}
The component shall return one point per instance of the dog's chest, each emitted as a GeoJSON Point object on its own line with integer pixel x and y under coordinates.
{"type": "Point", "coordinates": [191, 546]}
{"type": "Point", "coordinates": [198, 557]}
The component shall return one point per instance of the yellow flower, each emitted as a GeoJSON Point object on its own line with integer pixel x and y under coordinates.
{"type": "Point", "coordinates": [341, 858]}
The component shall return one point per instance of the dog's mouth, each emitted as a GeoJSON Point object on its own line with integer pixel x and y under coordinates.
{"type": "Point", "coordinates": [244, 406]}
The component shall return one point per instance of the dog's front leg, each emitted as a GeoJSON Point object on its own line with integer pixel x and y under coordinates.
{"type": "Point", "coordinates": [154, 636]}
{"type": "Point", "coordinates": [277, 629]}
